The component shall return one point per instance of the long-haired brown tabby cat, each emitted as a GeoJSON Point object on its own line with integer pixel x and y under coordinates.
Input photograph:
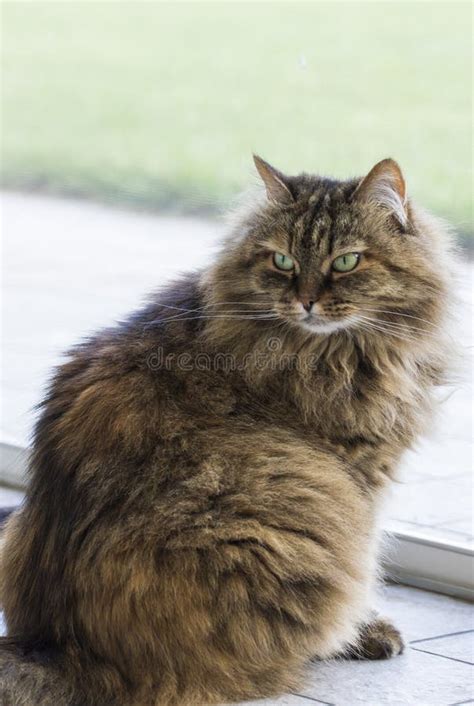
{"type": "Point", "coordinates": [201, 516]}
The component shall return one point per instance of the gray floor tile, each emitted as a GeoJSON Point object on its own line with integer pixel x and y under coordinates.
{"type": "Point", "coordinates": [420, 614]}
{"type": "Point", "coordinates": [434, 501]}
{"type": "Point", "coordinates": [414, 679]}
{"type": "Point", "coordinates": [290, 700]}
{"type": "Point", "coordinates": [458, 646]}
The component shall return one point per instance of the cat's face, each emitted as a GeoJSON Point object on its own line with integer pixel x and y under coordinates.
{"type": "Point", "coordinates": [326, 255]}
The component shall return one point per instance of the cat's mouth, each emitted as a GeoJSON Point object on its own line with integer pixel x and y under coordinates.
{"type": "Point", "coordinates": [320, 324]}
{"type": "Point", "coordinates": [318, 321]}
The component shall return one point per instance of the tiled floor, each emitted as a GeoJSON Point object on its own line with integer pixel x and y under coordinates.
{"type": "Point", "coordinates": [70, 267]}
{"type": "Point", "coordinates": [435, 670]}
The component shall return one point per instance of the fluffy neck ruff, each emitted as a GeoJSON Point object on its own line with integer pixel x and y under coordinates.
{"type": "Point", "coordinates": [352, 381]}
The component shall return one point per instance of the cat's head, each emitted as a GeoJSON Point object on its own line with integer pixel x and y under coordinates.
{"type": "Point", "coordinates": [328, 256]}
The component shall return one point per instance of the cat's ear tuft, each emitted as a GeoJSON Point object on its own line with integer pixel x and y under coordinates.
{"type": "Point", "coordinates": [275, 182]}
{"type": "Point", "coordinates": [385, 186]}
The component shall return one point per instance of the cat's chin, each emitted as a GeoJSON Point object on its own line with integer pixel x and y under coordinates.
{"type": "Point", "coordinates": [317, 326]}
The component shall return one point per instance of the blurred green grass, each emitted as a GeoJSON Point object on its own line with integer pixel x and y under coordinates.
{"type": "Point", "coordinates": [160, 105]}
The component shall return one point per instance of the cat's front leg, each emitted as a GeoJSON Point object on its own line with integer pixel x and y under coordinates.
{"type": "Point", "coordinates": [378, 639]}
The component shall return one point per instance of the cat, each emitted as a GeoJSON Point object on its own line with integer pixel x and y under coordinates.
{"type": "Point", "coordinates": [206, 477]}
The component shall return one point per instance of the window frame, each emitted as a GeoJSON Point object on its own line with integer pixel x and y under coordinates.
{"type": "Point", "coordinates": [432, 564]}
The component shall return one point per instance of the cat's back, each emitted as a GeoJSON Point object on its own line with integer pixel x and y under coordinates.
{"type": "Point", "coordinates": [105, 427]}
{"type": "Point", "coordinates": [115, 386]}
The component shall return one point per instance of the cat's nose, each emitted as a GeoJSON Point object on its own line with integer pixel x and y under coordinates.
{"type": "Point", "coordinates": [307, 304]}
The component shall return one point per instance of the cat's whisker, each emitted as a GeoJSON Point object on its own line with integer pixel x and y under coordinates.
{"type": "Point", "coordinates": [389, 324]}
{"type": "Point", "coordinates": [401, 314]}
{"type": "Point", "coordinates": [436, 327]}
{"type": "Point", "coordinates": [263, 317]}
{"type": "Point", "coordinates": [201, 310]}
{"type": "Point", "coordinates": [233, 303]}
{"type": "Point", "coordinates": [393, 334]}
{"type": "Point", "coordinates": [169, 306]}
{"type": "Point", "coordinates": [377, 326]}
{"type": "Point", "coordinates": [403, 328]}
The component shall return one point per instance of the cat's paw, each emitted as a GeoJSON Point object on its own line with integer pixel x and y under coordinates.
{"type": "Point", "coordinates": [378, 640]}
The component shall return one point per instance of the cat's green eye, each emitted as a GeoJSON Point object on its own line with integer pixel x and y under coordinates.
{"type": "Point", "coordinates": [283, 262]}
{"type": "Point", "coordinates": [346, 263]}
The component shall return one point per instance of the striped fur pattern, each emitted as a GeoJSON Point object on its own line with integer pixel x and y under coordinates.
{"type": "Point", "coordinates": [206, 476]}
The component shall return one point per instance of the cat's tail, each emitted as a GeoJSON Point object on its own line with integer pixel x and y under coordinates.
{"type": "Point", "coordinates": [32, 679]}
{"type": "Point", "coordinates": [36, 675]}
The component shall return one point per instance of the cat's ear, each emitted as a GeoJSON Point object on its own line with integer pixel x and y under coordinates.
{"type": "Point", "coordinates": [275, 182]}
{"type": "Point", "coordinates": [384, 185]}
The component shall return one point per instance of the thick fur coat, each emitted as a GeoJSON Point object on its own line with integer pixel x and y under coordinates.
{"type": "Point", "coordinates": [206, 477]}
